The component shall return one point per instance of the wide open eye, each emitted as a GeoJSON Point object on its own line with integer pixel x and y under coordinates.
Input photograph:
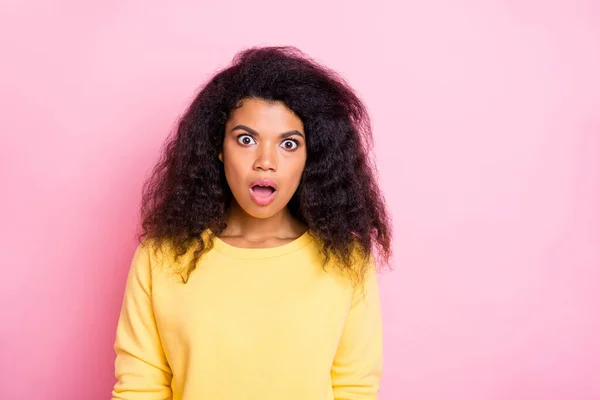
{"type": "Point", "coordinates": [245, 140]}
{"type": "Point", "coordinates": [289, 144]}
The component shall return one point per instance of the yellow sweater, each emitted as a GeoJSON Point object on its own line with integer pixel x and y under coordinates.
{"type": "Point", "coordinates": [250, 324]}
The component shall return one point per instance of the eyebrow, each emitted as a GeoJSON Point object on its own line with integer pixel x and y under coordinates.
{"type": "Point", "coordinates": [284, 135]}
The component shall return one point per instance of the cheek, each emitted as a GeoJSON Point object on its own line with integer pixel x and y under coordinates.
{"type": "Point", "coordinates": [295, 172]}
{"type": "Point", "coordinates": [233, 171]}
{"type": "Point", "coordinates": [233, 159]}
{"type": "Point", "coordinates": [302, 164]}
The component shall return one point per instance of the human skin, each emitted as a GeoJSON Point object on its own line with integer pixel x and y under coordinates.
{"type": "Point", "coordinates": [262, 140]}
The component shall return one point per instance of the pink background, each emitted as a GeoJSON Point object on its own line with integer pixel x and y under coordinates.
{"type": "Point", "coordinates": [487, 122]}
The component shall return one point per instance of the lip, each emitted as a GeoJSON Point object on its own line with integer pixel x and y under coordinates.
{"type": "Point", "coordinates": [264, 182]}
{"type": "Point", "coordinates": [261, 200]}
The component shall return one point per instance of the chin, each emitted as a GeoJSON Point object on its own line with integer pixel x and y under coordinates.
{"type": "Point", "coordinates": [261, 212]}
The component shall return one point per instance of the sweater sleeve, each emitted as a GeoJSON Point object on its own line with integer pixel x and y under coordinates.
{"type": "Point", "coordinates": [357, 367]}
{"type": "Point", "coordinates": [141, 368]}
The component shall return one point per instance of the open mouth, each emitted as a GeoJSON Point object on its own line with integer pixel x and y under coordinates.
{"type": "Point", "coordinates": [262, 194]}
{"type": "Point", "coordinates": [263, 191]}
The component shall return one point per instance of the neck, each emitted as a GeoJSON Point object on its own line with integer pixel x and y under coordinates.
{"type": "Point", "coordinates": [280, 225]}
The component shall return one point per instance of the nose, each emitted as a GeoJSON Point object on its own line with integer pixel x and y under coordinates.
{"type": "Point", "coordinates": [266, 159]}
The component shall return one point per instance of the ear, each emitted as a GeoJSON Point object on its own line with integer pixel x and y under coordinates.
{"type": "Point", "coordinates": [221, 156]}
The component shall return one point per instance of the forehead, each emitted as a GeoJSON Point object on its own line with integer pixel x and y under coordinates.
{"type": "Point", "coordinates": [266, 116]}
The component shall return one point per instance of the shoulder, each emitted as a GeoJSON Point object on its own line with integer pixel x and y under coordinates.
{"type": "Point", "coordinates": [154, 257]}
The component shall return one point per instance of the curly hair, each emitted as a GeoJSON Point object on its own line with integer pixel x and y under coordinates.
{"type": "Point", "coordinates": [338, 197]}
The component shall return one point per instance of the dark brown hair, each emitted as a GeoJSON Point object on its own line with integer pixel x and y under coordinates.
{"type": "Point", "coordinates": [338, 197]}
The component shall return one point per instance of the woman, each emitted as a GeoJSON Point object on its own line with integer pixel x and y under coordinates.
{"type": "Point", "coordinates": [255, 275]}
